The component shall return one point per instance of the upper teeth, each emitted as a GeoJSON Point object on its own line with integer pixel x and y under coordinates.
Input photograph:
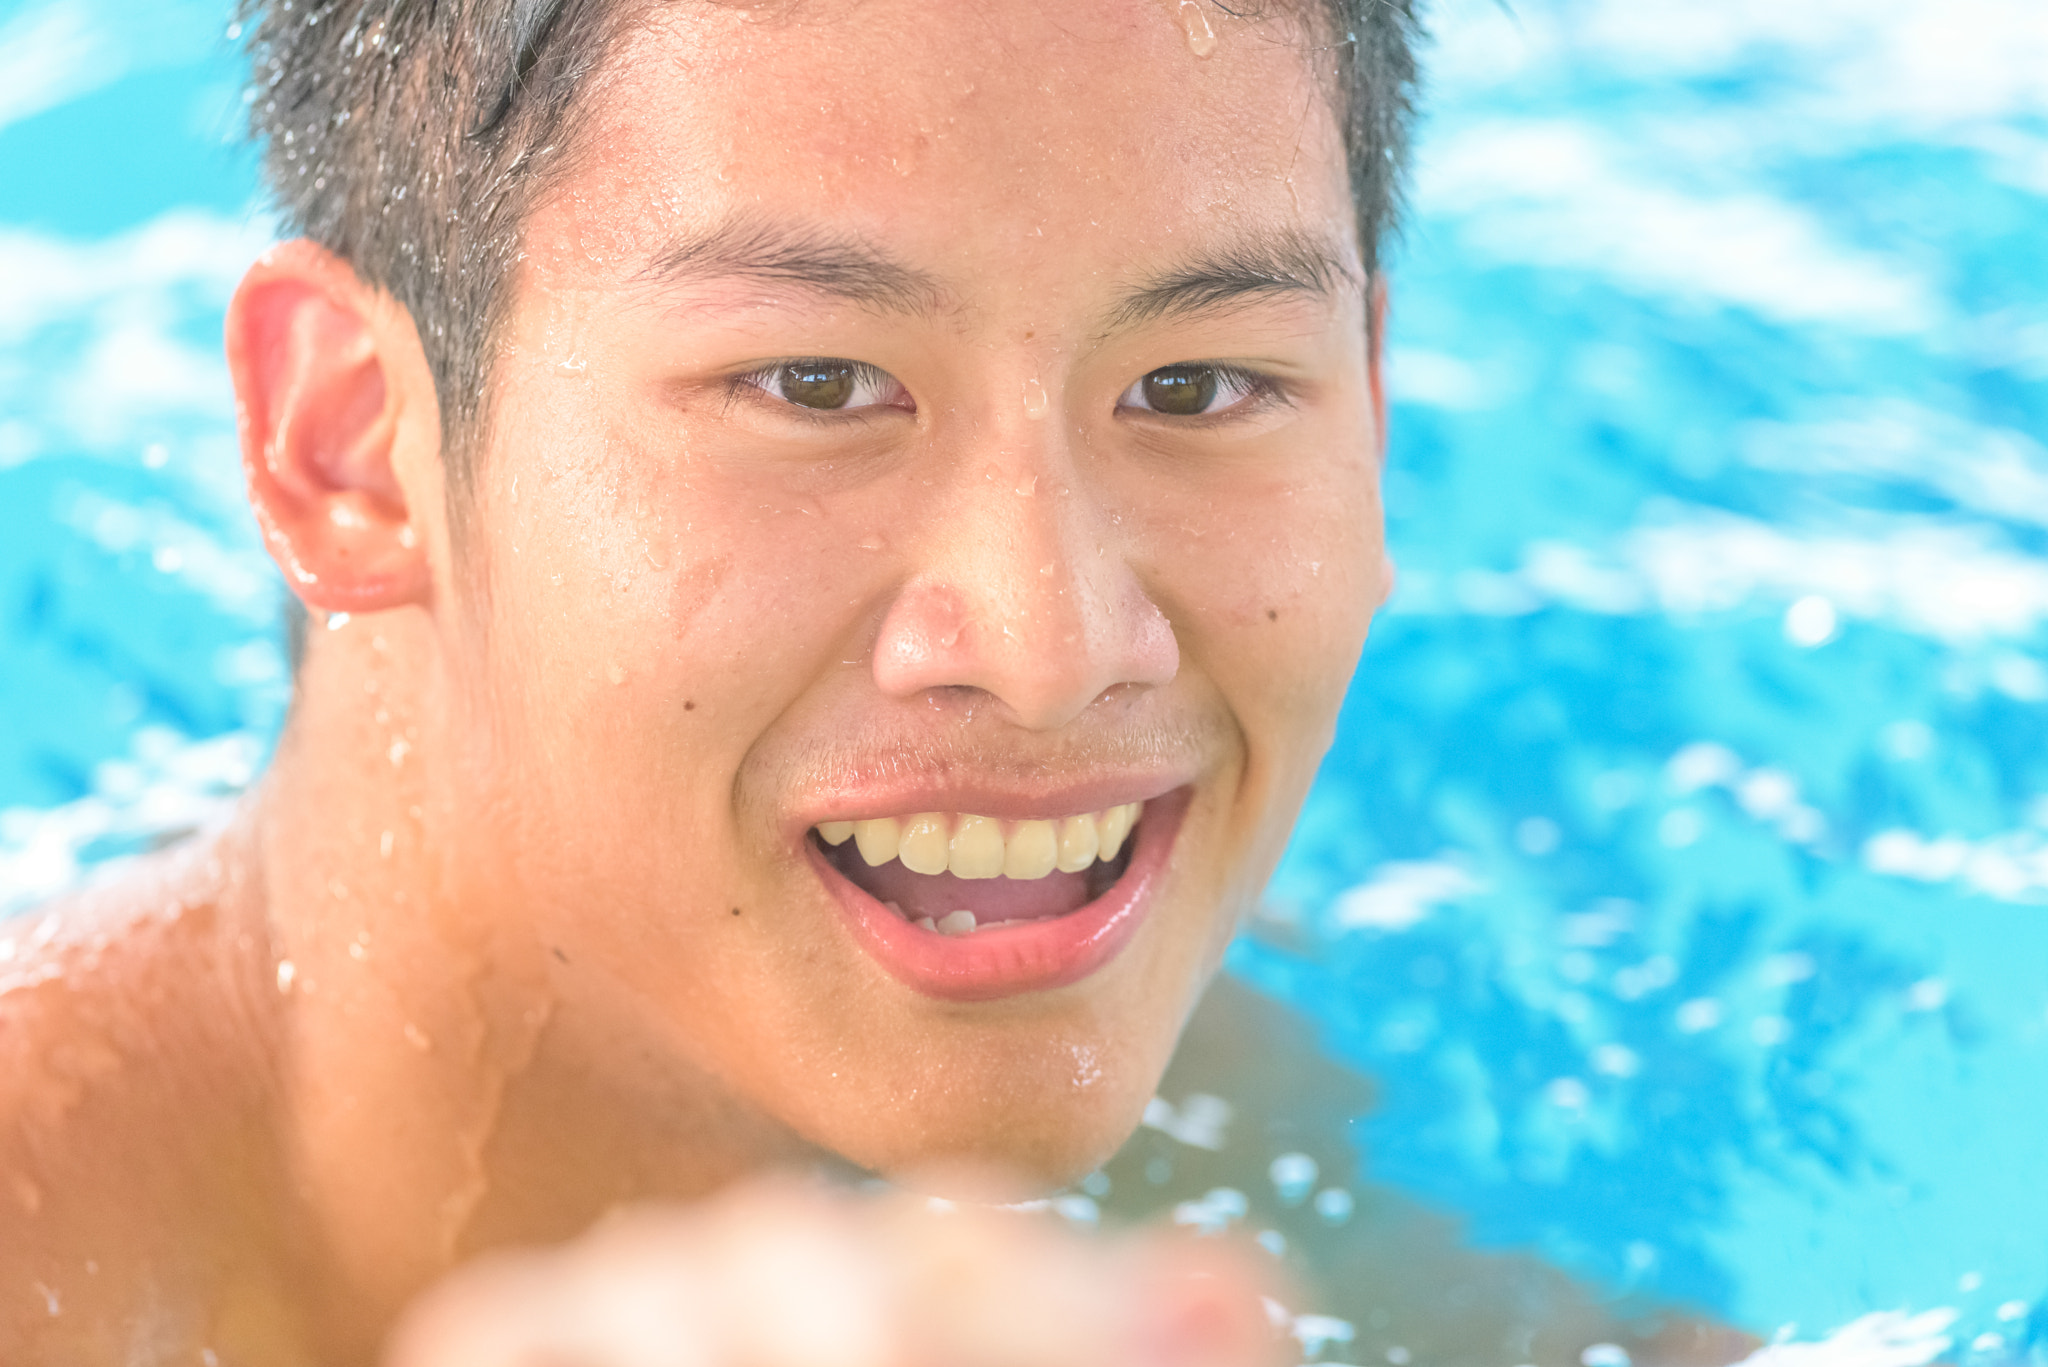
{"type": "Point", "coordinates": [983, 847]}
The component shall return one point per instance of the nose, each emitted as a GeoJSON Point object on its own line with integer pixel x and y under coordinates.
{"type": "Point", "coordinates": [1026, 593]}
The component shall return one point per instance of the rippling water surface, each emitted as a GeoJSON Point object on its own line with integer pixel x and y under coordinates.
{"type": "Point", "coordinates": [1681, 873]}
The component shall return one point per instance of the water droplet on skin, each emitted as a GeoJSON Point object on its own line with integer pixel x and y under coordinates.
{"type": "Point", "coordinates": [871, 542]}
{"type": "Point", "coordinates": [1201, 38]}
{"type": "Point", "coordinates": [575, 365]}
{"type": "Point", "coordinates": [1028, 487]}
{"type": "Point", "coordinates": [1035, 402]}
{"type": "Point", "coordinates": [616, 674]}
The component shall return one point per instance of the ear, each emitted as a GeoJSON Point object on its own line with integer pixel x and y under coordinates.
{"type": "Point", "coordinates": [331, 386]}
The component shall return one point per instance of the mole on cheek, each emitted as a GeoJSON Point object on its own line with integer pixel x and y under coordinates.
{"type": "Point", "coordinates": [1272, 614]}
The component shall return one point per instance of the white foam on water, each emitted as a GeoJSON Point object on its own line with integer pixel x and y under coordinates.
{"type": "Point", "coordinates": [1200, 1121]}
{"type": "Point", "coordinates": [1435, 379]}
{"type": "Point", "coordinates": [1957, 583]}
{"type": "Point", "coordinates": [2011, 866]}
{"type": "Point", "coordinates": [237, 579]}
{"type": "Point", "coordinates": [1994, 471]}
{"type": "Point", "coordinates": [149, 300]}
{"type": "Point", "coordinates": [49, 55]}
{"type": "Point", "coordinates": [1561, 193]}
{"type": "Point", "coordinates": [1931, 65]}
{"type": "Point", "coordinates": [1888, 1338]}
{"type": "Point", "coordinates": [1931, 68]}
{"type": "Point", "coordinates": [61, 50]}
{"type": "Point", "coordinates": [48, 278]}
{"type": "Point", "coordinates": [169, 787]}
{"type": "Point", "coordinates": [1403, 894]}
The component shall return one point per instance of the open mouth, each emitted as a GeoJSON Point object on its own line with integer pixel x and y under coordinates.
{"type": "Point", "coordinates": [957, 874]}
{"type": "Point", "coordinates": [969, 907]}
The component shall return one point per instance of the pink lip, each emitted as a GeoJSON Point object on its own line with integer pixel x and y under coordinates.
{"type": "Point", "coordinates": [1033, 956]}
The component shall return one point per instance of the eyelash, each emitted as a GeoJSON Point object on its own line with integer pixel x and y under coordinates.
{"type": "Point", "coordinates": [1251, 390]}
{"type": "Point", "coordinates": [760, 382]}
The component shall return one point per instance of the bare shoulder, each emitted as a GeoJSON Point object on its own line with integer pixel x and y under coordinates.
{"type": "Point", "coordinates": [116, 1002]}
{"type": "Point", "coordinates": [136, 1169]}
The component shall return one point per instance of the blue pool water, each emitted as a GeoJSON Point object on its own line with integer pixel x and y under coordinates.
{"type": "Point", "coordinates": [1681, 872]}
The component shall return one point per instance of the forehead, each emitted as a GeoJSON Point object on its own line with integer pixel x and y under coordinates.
{"type": "Point", "coordinates": [997, 137]}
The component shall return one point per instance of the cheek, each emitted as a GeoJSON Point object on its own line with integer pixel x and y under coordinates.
{"type": "Point", "coordinates": [649, 620]}
{"type": "Point", "coordinates": [1274, 582]}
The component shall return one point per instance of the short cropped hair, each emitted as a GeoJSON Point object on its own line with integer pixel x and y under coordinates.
{"type": "Point", "coordinates": [411, 138]}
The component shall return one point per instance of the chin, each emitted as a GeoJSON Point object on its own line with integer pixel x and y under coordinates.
{"type": "Point", "coordinates": [992, 1128]}
{"type": "Point", "coordinates": [1001, 1171]}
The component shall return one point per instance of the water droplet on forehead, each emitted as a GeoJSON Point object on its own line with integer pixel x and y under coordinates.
{"type": "Point", "coordinates": [1035, 402]}
{"type": "Point", "coordinates": [1193, 22]}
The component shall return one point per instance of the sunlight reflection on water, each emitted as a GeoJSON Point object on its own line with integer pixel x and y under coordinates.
{"type": "Point", "coordinates": [1679, 875]}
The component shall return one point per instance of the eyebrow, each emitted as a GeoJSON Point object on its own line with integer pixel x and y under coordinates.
{"type": "Point", "coordinates": [806, 256]}
{"type": "Point", "coordinates": [1259, 265]}
{"type": "Point", "coordinates": [834, 263]}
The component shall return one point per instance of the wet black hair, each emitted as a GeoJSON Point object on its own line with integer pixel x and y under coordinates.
{"type": "Point", "coordinates": [412, 137]}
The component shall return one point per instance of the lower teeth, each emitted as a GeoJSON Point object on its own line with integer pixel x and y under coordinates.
{"type": "Point", "coordinates": [955, 923]}
{"type": "Point", "coordinates": [1101, 876]}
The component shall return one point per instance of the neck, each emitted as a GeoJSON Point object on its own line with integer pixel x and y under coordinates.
{"type": "Point", "coordinates": [438, 1097]}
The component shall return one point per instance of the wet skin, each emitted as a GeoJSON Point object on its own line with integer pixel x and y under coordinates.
{"type": "Point", "coordinates": [532, 916]}
{"type": "Point", "coordinates": [527, 919]}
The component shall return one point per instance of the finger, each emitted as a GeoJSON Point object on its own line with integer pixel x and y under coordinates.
{"type": "Point", "coordinates": [1207, 1302]}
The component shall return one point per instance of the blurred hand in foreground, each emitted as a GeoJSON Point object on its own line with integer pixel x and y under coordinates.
{"type": "Point", "coordinates": [777, 1275]}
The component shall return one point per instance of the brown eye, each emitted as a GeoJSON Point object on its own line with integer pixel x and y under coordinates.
{"type": "Point", "coordinates": [829, 384]}
{"type": "Point", "coordinates": [817, 384]}
{"type": "Point", "coordinates": [1182, 391]}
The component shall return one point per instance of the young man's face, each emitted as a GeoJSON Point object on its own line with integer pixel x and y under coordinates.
{"type": "Point", "coordinates": [910, 413]}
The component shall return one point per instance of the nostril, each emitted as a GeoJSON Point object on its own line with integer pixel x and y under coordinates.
{"type": "Point", "coordinates": [1043, 636]}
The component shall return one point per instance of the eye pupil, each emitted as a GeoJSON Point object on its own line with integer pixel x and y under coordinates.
{"type": "Point", "coordinates": [817, 384]}
{"type": "Point", "coordinates": [1181, 390]}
